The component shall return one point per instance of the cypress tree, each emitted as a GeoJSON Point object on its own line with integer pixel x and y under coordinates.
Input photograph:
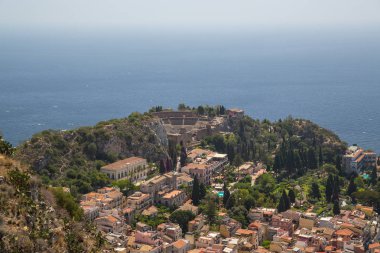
{"type": "Point", "coordinates": [374, 176]}
{"type": "Point", "coordinates": [336, 188]}
{"type": "Point", "coordinates": [336, 207]}
{"type": "Point", "coordinates": [226, 195]}
{"type": "Point", "coordinates": [286, 200]}
{"type": "Point", "coordinates": [337, 182]}
{"type": "Point", "coordinates": [312, 159]}
{"type": "Point", "coordinates": [222, 110]}
{"type": "Point", "coordinates": [292, 196]}
{"type": "Point", "coordinates": [315, 190]}
{"type": "Point", "coordinates": [230, 202]}
{"type": "Point", "coordinates": [351, 187]}
{"type": "Point", "coordinates": [277, 163]}
{"type": "Point", "coordinates": [281, 205]}
{"type": "Point", "coordinates": [338, 164]}
{"type": "Point", "coordinates": [183, 156]}
{"type": "Point", "coordinates": [230, 152]}
{"type": "Point", "coordinates": [195, 192]}
{"type": "Point", "coordinates": [329, 188]}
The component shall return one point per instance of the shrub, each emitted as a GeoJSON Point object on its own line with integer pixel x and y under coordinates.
{"type": "Point", "coordinates": [19, 180]}
{"type": "Point", "coordinates": [66, 200]}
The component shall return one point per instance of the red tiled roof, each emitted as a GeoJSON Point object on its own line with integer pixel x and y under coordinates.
{"type": "Point", "coordinates": [109, 218]}
{"type": "Point", "coordinates": [245, 231]}
{"type": "Point", "coordinates": [344, 232]}
{"type": "Point", "coordinates": [172, 194]}
{"type": "Point", "coordinates": [374, 245]}
{"type": "Point", "coordinates": [179, 244]}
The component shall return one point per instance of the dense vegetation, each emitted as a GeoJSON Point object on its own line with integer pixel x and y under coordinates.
{"type": "Point", "coordinates": [73, 158]}
{"type": "Point", "coordinates": [290, 146]}
{"type": "Point", "coordinates": [320, 190]}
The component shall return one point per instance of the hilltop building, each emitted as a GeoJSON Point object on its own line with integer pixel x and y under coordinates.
{"type": "Point", "coordinates": [235, 113]}
{"type": "Point", "coordinates": [188, 127]}
{"type": "Point", "coordinates": [204, 163]}
{"type": "Point", "coordinates": [132, 168]}
{"type": "Point", "coordinates": [174, 198]}
{"type": "Point", "coordinates": [356, 159]}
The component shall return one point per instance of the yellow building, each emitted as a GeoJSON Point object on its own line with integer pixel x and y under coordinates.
{"type": "Point", "coordinates": [132, 168]}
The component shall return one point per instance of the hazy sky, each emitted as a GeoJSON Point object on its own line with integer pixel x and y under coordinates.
{"type": "Point", "coordinates": [195, 14]}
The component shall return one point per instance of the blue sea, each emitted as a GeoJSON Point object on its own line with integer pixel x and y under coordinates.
{"type": "Point", "coordinates": [67, 79]}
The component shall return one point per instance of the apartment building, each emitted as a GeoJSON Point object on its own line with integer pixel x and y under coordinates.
{"type": "Point", "coordinates": [204, 163]}
{"type": "Point", "coordinates": [109, 223]}
{"type": "Point", "coordinates": [174, 198]}
{"type": "Point", "coordinates": [105, 198]}
{"type": "Point", "coordinates": [165, 182]}
{"type": "Point", "coordinates": [356, 159]}
{"type": "Point", "coordinates": [139, 201]}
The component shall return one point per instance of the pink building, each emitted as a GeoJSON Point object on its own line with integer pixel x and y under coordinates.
{"type": "Point", "coordinates": [148, 237]}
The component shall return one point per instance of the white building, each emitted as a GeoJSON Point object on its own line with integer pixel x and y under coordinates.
{"type": "Point", "coordinates": [356, 159]}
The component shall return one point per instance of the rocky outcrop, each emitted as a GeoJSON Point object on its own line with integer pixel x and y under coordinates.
{"type": "Point", "coordinates": [51, 152]}
{"type": "Point", "coordinates": [158, 128]}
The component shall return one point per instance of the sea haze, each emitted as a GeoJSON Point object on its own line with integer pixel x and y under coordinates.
{"type": "Point", "coordinates": [63, 80]}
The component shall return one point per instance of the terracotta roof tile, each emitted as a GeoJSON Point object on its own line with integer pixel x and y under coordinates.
{"type": "Point", "coordinates": [344, 232]}
{"type": "Point", "coordinates": [172, 194]}
{"type": "Point", "coordinates": [245, 232]}
{"type": "Point", "coordinates": [179, 244]}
